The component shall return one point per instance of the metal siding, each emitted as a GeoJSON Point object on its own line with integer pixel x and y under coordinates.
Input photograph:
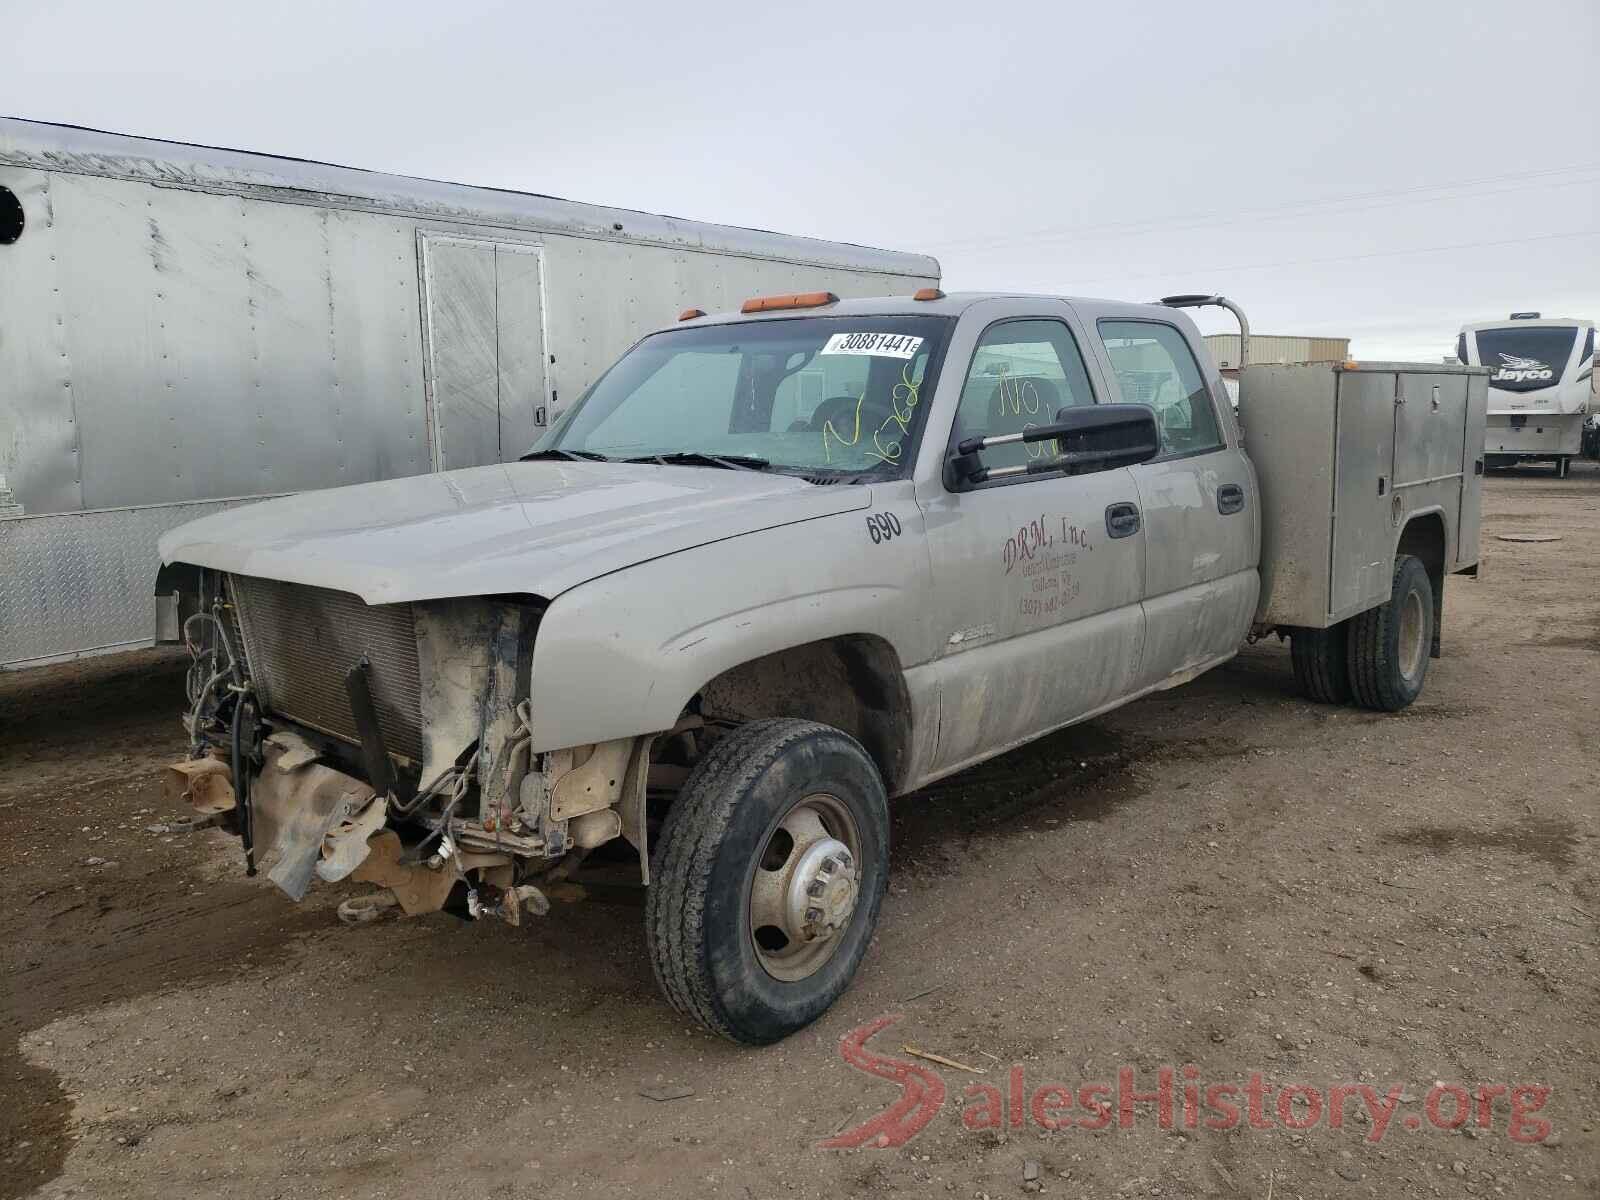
{"type": "Point", "coordinates": [1471, 523]}
{"type": "Point", "coordinates": [377, 345]}
{"type": "Point", "coordinates": [1363, 528]}
{"type": "Point", "coordinates": [1288, 420]}
{"type": "Point", "coordinates": [200, 339]}
{"type": "Point", "coordinates": [1430, 426]}
{"type": "Point", "coordinates": [294, 416]}
{"type": "Point", "coordinates": [38, 429]}
{"type": "Point", "coordinates": [108, 286]}
{"type": "Point", "coordinates": [519, 322]}
{"type": "Point", "coordinates": [173, 164]}
{"type": "Point", "coordinates": [463, 370]}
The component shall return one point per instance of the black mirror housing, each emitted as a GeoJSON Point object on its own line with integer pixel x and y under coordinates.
{"type": "Point", "coordinates": [1089, 437]}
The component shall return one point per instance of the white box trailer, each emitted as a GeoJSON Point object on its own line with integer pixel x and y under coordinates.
{"type": "Point", "coordinates": [183, 328]}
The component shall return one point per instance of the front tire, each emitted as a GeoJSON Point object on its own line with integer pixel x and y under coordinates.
{"type": "Point", "coordinates": [767, 879]}
{"type": "Point", "coordinates": [1390, 644]}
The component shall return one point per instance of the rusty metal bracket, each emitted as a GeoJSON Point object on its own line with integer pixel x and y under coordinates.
{"type": "Point", "coordinates": [594, 784]}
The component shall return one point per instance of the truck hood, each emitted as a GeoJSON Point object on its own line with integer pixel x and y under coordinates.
{"type": "Point", "coordinates": [540, 527]}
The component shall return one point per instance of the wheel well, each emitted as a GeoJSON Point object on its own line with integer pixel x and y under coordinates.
{"type": "Point", "coordinates": [852, 682]}
{"type": "Point", "coordinates": [1424, 537]}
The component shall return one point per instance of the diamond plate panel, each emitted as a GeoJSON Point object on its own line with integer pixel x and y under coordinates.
{"type": "Point", "coordinates": [74, 583]}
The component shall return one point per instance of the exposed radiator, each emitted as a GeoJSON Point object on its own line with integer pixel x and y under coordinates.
{"type": "Point", "coordinates": [301, 641]}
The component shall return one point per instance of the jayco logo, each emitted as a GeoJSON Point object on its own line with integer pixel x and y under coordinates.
{"type": "Point", "coordinates": [1516, 369]}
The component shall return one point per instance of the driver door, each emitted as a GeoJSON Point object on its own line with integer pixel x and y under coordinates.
{"type": "Point", "coordinates": [1037, 579]}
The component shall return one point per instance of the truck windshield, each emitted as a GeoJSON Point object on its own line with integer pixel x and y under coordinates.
{"type": "Point", "coordinates": [1523, 358]}
{"type": "Point", "coordinates": [830, 398]}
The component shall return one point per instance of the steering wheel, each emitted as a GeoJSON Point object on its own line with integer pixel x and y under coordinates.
{"type": "Point", "coordinates": [841, 411]}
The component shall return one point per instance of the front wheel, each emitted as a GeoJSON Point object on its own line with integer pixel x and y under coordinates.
{"type": "Point", "coordinates": [1390, 644]}
{"type": "Point", "coordinates": [767, 878]}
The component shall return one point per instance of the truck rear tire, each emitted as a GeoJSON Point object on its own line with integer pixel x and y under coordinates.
{"type": "Point", "coordinates": [1321, 660]}
{"type": "Point", "coordinates": [767, 878]}
{"type": "Point", "coordinates": [1390, 644]}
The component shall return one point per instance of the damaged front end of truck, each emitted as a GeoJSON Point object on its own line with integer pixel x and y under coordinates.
{"type": "Point", "coordinates": [391, 745]}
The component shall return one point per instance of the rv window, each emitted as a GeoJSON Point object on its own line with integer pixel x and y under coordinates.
{"type": "Point", "coordinates": [1525, 358]}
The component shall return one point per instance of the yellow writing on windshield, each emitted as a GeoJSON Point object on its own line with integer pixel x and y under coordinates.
{"type": "Point", "coordinates": [829, 431]}
{"type": "Point", "coordinates": [902, 403]}
{"type": "Point", "coordinates": [888, 439]}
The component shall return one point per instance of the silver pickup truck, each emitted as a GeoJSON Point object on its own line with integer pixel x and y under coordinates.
{"type": "Point", "coordinates": [776, 567]}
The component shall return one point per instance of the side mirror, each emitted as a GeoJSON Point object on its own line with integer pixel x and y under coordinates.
{"type": "Point", "coordinates": [1089, 437]}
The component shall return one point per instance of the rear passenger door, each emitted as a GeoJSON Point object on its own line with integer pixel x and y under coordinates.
{"type": "Point", "coordinates": [1199, 501]}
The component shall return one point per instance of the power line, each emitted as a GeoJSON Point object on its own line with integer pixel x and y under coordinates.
{"type": "Point", "coordinates": [1399, 196]}
{"type": "Point", "coordinates": [1312, 262]}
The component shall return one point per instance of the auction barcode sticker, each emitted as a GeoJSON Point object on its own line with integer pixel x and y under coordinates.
{"type": "Point", "coordinates": [884, 345]}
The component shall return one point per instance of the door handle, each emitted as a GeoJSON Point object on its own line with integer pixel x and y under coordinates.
{"type": "Point", "coordinates": [1230, 499]}
{"type": "Point", "coordinates": [1122, 520]}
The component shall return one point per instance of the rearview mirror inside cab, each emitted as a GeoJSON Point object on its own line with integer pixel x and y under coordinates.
{"type": "Point", "coordinates": [1088, 437]}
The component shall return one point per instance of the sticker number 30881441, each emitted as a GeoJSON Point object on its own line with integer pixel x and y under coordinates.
{"type": "Point", "coordinates": [882, 345]}
{"type": "Point", "coordinates": [882, 526]}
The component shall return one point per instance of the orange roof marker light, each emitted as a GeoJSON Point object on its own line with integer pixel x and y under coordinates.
{"type": "Point", "coordinates": [689, 314]}
{"type": "Point", "coordinates": [927, 294]}
{"type": "Point", "coordinates": [793, 300]}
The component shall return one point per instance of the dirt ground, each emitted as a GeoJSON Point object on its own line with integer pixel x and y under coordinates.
{"type": "Point", "coordinates": [1223, 877]}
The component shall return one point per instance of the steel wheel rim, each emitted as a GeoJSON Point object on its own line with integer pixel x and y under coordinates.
{"type": "Point", "coordinates": [1411, 635]}
{"type": "Point", "coordinates": [808, 862]}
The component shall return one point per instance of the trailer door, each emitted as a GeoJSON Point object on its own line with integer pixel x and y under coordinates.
{"type": "Point", "coordinates": [484, 323]}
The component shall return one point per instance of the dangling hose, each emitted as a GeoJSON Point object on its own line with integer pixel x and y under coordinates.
{"type": "Point", "coordinates": [241, 784]}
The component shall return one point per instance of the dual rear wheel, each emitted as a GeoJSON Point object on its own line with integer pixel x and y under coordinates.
{"type": "Point", "coordinates": [1378, 658]}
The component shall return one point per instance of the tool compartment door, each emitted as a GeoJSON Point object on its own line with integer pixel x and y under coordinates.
{"type": "Point", "coordinates": [1471, 524]}
{"type": "Point", "coordinates": [486, 348]}
{"type": "Point", "coordinates": [1430, 418]}
{"type": "Point", "coordinates": [1363, 532]}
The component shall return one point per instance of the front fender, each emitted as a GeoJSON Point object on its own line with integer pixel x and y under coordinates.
{"type": "Point", "coordinates": [622, 655]}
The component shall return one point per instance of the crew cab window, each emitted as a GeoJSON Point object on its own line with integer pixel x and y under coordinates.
{"type": "Point", "coordinates": [1155, 366]}
{"type": "Point", "coordinates": [1022, 373]}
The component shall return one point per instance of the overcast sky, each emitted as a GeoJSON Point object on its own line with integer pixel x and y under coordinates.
{"type": "Point", "coordinates": [1378, 171]}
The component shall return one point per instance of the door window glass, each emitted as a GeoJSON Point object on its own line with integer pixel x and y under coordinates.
{"type": "Point", "coordinates": [1155, 366]}
{"type": "Point", "coordinates": [1023, 373]}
